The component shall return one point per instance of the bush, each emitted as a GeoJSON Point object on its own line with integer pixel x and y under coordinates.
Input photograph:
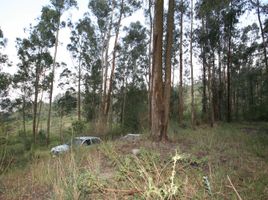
{"type": "Point", "coordinates": [78, 127]}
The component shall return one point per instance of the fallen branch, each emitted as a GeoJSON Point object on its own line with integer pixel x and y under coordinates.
{"type": "Point", "coordinates": [128, 192]}
{"type": "Point", "coordinates": [239, 197]}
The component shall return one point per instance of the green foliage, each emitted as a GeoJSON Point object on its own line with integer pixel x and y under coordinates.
{"type": "Point", "coordinates": [88, 183]}
{"type": "Point", "coordinates": [66, 103]}
{"type": "Point", "coordinates": [79, 127]}
{"type": "Point", "coordinates": [135, 109]}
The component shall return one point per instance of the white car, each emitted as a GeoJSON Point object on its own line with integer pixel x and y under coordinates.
{"type": "Point", "coordinates": [77, 141]}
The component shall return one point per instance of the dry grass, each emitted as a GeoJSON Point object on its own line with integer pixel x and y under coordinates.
{"type": "Point", "coordinates": [159, 171]}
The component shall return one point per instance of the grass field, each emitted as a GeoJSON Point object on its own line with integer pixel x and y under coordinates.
{"type": "Point", "coordinates": [229, 161]}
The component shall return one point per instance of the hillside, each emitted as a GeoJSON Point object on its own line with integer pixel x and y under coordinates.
{"type": "Point", "coordinates": [219, 163]}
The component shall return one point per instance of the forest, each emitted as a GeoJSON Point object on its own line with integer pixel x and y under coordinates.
{"type": "Point", "coordinates": [189, 77]}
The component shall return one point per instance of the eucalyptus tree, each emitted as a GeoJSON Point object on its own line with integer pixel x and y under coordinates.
{"type": "Point", "coordinates": [192, 68]}
{"type": "Point", "coordinates": [208, 40]}
{"type": "Point", "coordinates": [182, 8]}
{"type": "Point", "coordinates": [51, 17]}
{"type": "Point", "coordinates": [233, 10]}
{"type": "Point", "coordinates": [65, 104]}
{"type": "Point", "coordinates": [84, 50]}
{"type": "Point", "coordinates": [249, 79]}
{"type": "Point", "coordinates": [157, 82]}
{"type": "Point", "coordinates": [35, 60]}
{"type": "Point", "coordinates": [125, 9]}
{"type": "Point", "coordinates": [22, 80]}
{"type": "Point", "coordinates": [104, 11]}
{"type": "Point", "coordinates": [131, 73]}
{"type": "Point", "coordinates": [5, 78]}
{"type": "Point", "coordinates": [259, 10]}
{"type": "Point", "coordinates": [92, 97]}
{"type": "Point", "coordinates": [168, 62]}
{"type": "Point", "coordinates": [148, 10]}
{"type": "Point", "coordinates": [218, 24]}
{"type": "Point", "coordinates": [3, 41]}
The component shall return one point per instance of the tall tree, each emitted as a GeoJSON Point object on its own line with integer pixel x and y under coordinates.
{"type": "Point", "coordinates": [58, 8]}
{"type": "Point", "coordinates": [149, 15]}
{"type": "Point", "coordinates": [192, 69]}
{"type": "Point", "coordinates": [131, 74]}
{"type": "Point", "coordinates": [22, 81]}
{"type": "Point", "coordinates": [65, 105]}
{"type": "Point", "coordinates": [35, 58]}
{"type": "Point", "coordinates": [104, 11]}
{"type": "Point", "coordinates": [157, 86]}
{"type": "Point", "coordinates": [5, 78]}
{"type": "Point", "coordinates": [182, 9]}
{"type": "Point", "coordinates": [83, 48]}
{"type": "Point", "coordinates": [258, 7]}
{"type": "Point", "coordinates": [167, 89]}
{"type": "Point", "coordinates": [126, 8]}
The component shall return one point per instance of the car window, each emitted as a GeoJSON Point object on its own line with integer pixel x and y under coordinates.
{"type": "Point", "coordinates": [95, 141]}
{"type": "Point", "coordinates": [77, 141]}
{"type": "Point", "coordinates": [87, 142]}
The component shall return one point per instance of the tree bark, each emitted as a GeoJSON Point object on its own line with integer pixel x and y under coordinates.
{"type": "Point", "coordinates": [204, 80]}
{"type": "Point", "coordinates": [263, 37]}
{"type": "Point", "coordinates": [79, 91]}
{"type": "Point", "coordinates": [211, 110]}
{"type": "Point", "coordinates": [157, 93]}
{"type": "Point", "coordinates": [167, 91]}
{"type": "Point", "coordinates": [192, 70]}
{"type": "Point", "coordinates": [107, 45]}
{"type": "Point", "coordinates": [107, 106]}
{"type": "Point", "coordinates": [229, 100]}
{"type": "Point", "coordinates": [39, 112]}
{"type": "Point", "coordinates": [150, 68]}
{"type": "Point", "coordinates": [36, 91]}
{"type": "Point", "coordinates": [220, 86]}
{"type": "Point", "coordinates": [52, 82]}
{"type": "Point", "coordinates": [181, 70]}
{"type": "Point", "coordinates": [23, 114]}
{"type": "Point", "coordinates": [124, 96]}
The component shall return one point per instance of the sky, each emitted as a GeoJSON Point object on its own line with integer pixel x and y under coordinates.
{"type": "Point", "coordinates": [16, 15]}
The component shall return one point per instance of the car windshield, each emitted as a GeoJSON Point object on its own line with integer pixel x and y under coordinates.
{"type": "Point", "coordinates": [77, 141]}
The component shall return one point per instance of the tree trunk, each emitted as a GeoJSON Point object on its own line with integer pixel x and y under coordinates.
{"type": "Point", "coordinates": [263, 38]}
{"type": "Point", "coordinates": [39, 112]}
{"type": "Point", "coordinates": [61, 117]}
{"type": "Point", "coordinates": [229, 100]}
{"type": "Point", "coordinates": [36, 91]}
{"type": "Point", "coordinates": [107, 45]}
{"type": "Point", "coordinates": [211, 110]}
{"type": "Point", "coordinates": [220, 86]}
{"type": "Point", "coordinates": [181, 71]}
{"type": "Point", "coordinates": [23, 115]}
{"type": "Point", "coordinates": [192, 70]}
{"type": "Point", "coordinates": [150, 68]}
{"type": "Point", "coordinates": [52, 82]}
{"type": "Point", "coordinates": [79, 91]}
{"type": "Point", "coordinates": [204, 81]}
{"type": "Point", "coordinates": [167, 91]}
{"type": "Point", "coordinates": [124, 95]}
{"type": "Point", "coordinates": [107, 106]}
{"type": "Point", "coordinates": [157, 94]}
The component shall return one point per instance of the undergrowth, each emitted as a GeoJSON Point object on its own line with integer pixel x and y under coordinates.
{"type": "Point", "coordinates": [225, 162]}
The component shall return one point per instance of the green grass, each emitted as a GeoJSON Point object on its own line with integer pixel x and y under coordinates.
{"type": "Point", "coordinates": [173, 170]}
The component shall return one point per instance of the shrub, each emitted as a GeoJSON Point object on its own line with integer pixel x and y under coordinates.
{"type": "Point", "coordinates": [78, 127]}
